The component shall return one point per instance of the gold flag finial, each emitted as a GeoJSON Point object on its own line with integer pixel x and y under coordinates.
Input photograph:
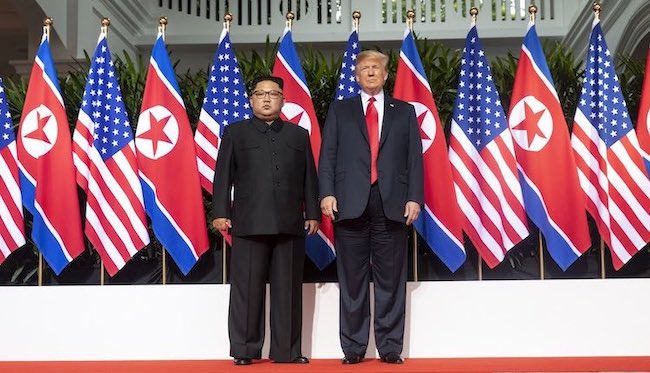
{"type": "Point", "coordinates": [162, 25]}
{"type": "Point", "coordinates": [473, 12]}
{"type": "Point", "coordinates": [597, 9]}
{"type": "Point", "coordinates": [227, 19]}
{"type": "Point", "coordinates": [47, 25]}
{"type": "Point", "coordinates": [356, 18]}
{"type": "Point", "coordinates": [105, 23]}
{"type": "Point", "coordinates": [532, 10]}
{"type": "Point", "coordinates": [410, 19]}
{"type": "Point", "coordinates": [290, 18]}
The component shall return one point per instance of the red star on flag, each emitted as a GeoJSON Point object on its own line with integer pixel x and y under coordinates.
{"type": "Point", "coordinates": [39, 132]}
{"type": "Point", "coordinates": [531, 118]}
{"type": "Point", "coordinates": [423, 135]}
{"type": "Point", "coordinates": [156, 133]}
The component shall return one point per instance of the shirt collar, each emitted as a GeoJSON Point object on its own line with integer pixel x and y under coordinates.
{"type": "Point", "coordinates": [262, 126]}
{"type": "Point", "coordinates": [379, 97]}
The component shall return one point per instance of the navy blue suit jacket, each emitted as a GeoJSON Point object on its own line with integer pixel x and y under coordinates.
{"type": "Point", "coordinates": [344, 165]}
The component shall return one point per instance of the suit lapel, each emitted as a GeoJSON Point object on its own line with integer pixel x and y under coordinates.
{"type": "Point", "coordinates": [389, 111]}
{"type": "Point", "coordinates": [359, 118]}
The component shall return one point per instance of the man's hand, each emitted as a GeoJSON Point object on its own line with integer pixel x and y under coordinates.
{"type": "Point", "coordinates": [328, 206]}
{"type": "Point", "coordinates": [311, 226]}
{"type": "Point", "coordinates": [411, 211]}
{"type": "Point", "coordinates": [222, 224]}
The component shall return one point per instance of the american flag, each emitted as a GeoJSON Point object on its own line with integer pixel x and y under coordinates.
{"type": "Point", "coordinates": [643, 123]}
{"type": "Point", "coordinates": [12, 230]}
{"type": "Point", "coordinates": [347, 85]}
{"type": "Point", "coordinates": [610, 167]}
{"type": "Point", "coordinates": [225, 102]}
{"type": "Point", "coordinates": [104, 157]}
{"type": "Point", "coordinates": [483, 160]}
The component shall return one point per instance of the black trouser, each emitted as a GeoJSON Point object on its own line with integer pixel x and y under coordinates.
{"type": "Point", "coordinates": [372, 240]}
{"type": "Point", "coordinates": [253, 259]}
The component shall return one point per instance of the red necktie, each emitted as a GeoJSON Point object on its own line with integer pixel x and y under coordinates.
{"type": "Point", "coordinates": [372, 121]}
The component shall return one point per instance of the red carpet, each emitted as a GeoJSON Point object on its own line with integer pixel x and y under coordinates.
{"type": "Point", "coordinates": [580, 364]}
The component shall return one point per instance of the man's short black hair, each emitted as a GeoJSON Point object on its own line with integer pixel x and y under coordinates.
{"type": "Point", "coordinates": [264, 78]}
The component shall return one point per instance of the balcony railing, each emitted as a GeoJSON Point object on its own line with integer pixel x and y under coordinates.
{"type": "Point", "coordinates": [330, 20]}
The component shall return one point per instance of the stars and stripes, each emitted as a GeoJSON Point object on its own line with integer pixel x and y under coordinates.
{"type": "Point", "coordinates": [440, 223]}
{"type": "Point", "coordinates": [104, 156]}
{"type": "Point", "coordinates": [347, 85]}
{"type": "Point", "coordinates": [12, 226]}
{"type": "Point", "coordinates": [547, 168]}
{"type": "Point", "coordinates": [47, 176]}
{"type": "Point", "coordinates": [225, 102]}
{"type": "Point", "coordinates": [299, 109]}
{"type": "Point", "coordinates": [483, 161]}
{"type": "Point", "coordinates": [167, 164]}
{"type": "Point", "coordinates": [610, 167]}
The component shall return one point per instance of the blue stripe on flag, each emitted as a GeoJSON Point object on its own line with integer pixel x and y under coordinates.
{"type": "Point", "coordinates": [446, 249]}
{"type": "Point", "coordinates": [411, 51]}
{"type": "Point", "coordinates": [556, 245]}
{"type": "Point", "coordinates": [159, 54]}
{"type": "Point", "coordinates": [45, 56]}
{"type": "Point", "coordinates": [319, 251]}
{"type": "Point", "coordinates": [166, 233]}
{"type": "Point", "coordinates": [41, 234]}
{"type": "Point", "coordinates": [531, 42]}
{"type": "Point", "coordinates": [290, 55]}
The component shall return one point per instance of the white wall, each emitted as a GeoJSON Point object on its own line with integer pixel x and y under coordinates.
{"type": "Point", "coordinates": [444, 319]}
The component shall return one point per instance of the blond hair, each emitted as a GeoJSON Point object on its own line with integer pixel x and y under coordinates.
{"type": "Point", "coordinates": [373, 54]}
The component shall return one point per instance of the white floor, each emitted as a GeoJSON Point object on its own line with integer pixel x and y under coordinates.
{"type": "Point", "coordinates": [444, 319]}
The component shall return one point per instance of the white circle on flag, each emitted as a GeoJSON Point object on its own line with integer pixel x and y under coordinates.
{"type": "Point", "coordinates": [39, 131]}
{"type": "Point", "coordinates": [539, 127]}
{"type": "Point", "coordinates": [647, 121]}
{"type": "Point", "coordinates": [427, 123]}
{"type": "Point", "coordinates": [296, 114]}
{"type": "Point", "coordinates": [157, 132]}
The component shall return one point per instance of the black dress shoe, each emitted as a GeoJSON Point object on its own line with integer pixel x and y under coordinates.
{"type": "Point", "coordinates": [352, 359]}
{"type": "Point", "coordinates": [392, 358]}
{"type": "Point", "coordinates": [242, 361]}
{"type": "Point", "coordinates": [300, 360]}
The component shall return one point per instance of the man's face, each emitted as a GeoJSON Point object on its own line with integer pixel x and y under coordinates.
{"type": "Point", "coordinates": [267, 100]}
{"type": "Point", "coordinates": [371, 75]}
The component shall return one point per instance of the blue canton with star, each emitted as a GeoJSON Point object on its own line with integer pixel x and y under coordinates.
{"type": "Point", "coordinates": [7, 131]}
{"type": "Point", "coordinates": [601, 100]}
{"type": "Point", "coordinates": [226, 100]}
{"type": "Point", "coordinates": [478, 110]}
{"type": "Point", "coordinates": [102, 102]}
{"type": "Point", "coordinates": [347, 85]}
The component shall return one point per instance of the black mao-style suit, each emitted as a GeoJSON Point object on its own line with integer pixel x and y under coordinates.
{"type": "Point", "coordinates": [370, 225]}
{"type": "Point", "coordinates": [275, 189]}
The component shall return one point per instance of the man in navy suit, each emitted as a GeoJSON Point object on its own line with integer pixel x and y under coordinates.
{"type": "Point", "coordinates": [371, 185]}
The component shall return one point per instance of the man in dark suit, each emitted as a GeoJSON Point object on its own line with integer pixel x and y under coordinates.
{"type": "Point", "coordinates": [371, 185]}
{"type": "Point", "coordinates": [270, 167]}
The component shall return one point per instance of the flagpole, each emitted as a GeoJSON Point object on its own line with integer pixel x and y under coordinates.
{"type": "Point", "coordinates": [541, 255]}
{"type": "Point", "coordinates": [227, 19]}
{"type": "Point", "coordinates": [473, 12]}
{"type": "Point", "coordinates": [104, 30]}
{"type": "Point", "coordinates": [410, 18]}
{"type": "Point", "coordinates": [162, 27]}
{"type": "Point", "coordinates": [602, 258]}
{"type": "Point", "coordinates": [47, 25]}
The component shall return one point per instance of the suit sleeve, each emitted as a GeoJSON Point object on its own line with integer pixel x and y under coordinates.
{"type": "Point", "coordinates": [223, 178]}
{"type": "Point", "coordinates": [312, 209]}
{"type": "Point", "coordinates": [328, 151]}
{"type": "Point", "coordinates": [416, 170]}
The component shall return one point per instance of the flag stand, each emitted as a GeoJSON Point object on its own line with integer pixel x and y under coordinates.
{"type": "Point", "coordinates": [224, 276]}
{"type": "Point", "coordinates": [602, 258]}
{"type": "Point", "coordinates": [40, 269]}
{"type": "Point", "coordinates": [541, 256]}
